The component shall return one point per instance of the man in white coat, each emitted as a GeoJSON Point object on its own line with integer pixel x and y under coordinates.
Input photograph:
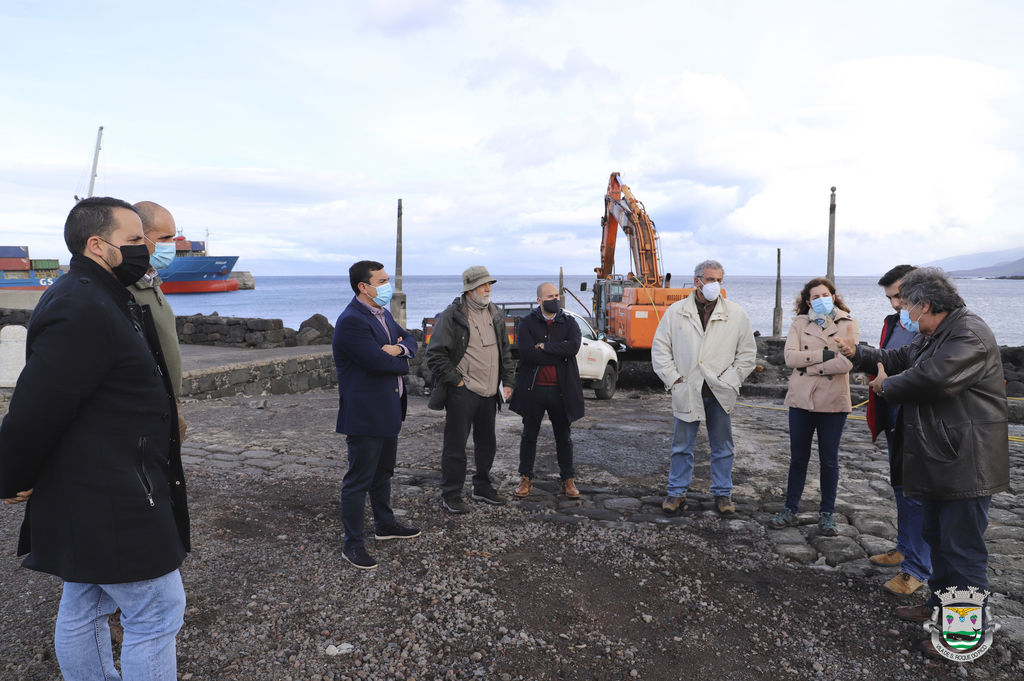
{"type": "Point", "coordinates": [702, 350]}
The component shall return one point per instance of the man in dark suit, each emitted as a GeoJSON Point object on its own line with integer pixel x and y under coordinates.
{"type": "Point", "coordinates": [91, 443]}
{"type": "Point", "coordinates": [371, 353]}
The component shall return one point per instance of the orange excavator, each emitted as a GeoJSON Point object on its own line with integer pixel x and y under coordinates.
{"type": "Point", "coordinates": [628, 308]}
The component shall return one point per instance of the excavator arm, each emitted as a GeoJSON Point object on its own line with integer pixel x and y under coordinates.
{"type": "Point", "coordinates": [621, 209]}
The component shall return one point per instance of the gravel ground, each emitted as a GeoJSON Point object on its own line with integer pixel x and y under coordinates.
{"type": "Point", "coordinates": [500, 594]}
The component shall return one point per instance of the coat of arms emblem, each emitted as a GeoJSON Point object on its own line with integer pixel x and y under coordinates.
{"type": "Point", "coordinates": [965, 627]}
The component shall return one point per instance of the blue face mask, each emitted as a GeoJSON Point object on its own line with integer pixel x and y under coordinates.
{"type": "Point", "coordinates": [162, 256]}
{"type": "Point", "coordinates": [383, 297]}
{"type": "Point", "coordinates": [906, 323]}
{"type": "Point", "coordinates": [822, 305]}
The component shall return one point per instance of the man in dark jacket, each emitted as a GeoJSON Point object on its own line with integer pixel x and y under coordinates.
{"type": "Point", "coordinates": [954, 426]}
{"type": "Point", "coordinates": [911, 553]}
{"type": "Point", "coordinates": [91, 442]}
{"type": "Point", "coordinates": [548, 381]}
{"type": "Point", "coordinates": [471, 359]}
{"type": "Point", "coordinates": [371, 353]}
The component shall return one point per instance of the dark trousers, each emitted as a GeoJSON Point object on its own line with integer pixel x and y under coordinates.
{"type": "Point", "coordinates": [467, 411]}
{"type": "Point", "coordinates": [802, 425]}
{"type": "Point", "coordinates": [955, 532]}
{"type": "Point", "coordinates": [371, 463]}
{"type": "Point", "coordinates": [545, 398]}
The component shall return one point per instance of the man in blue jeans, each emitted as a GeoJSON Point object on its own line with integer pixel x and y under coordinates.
{"type": "Point", "coordinates": [91, 443]}
{"type": "Point", "coordinates": [911, 552]}
{"type": "Point", "coordinates": [371, 354]}
{"type": "Point", "coordinates": [702, 350]}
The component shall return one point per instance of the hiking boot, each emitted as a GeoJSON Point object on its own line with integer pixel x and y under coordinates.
{"type": "Point", "coordinates": [673, 505]}
{"type": "Point", "coordinates": [903, 584]}
{"type": "Point", "coordinates": [827, 525]}
{"type": "Point", "coordinates": [914, 613]}
{"type": "Point", "coordinates": [569, 487]}
{"type": "Point", "coordinates": [783, 518]}
{"type": "Point", "coordinates": [396, 531]}
{"type": "Point", "coordinates": [725, 506]}
{"type": "Point", "coordinates": [454, 505]}
{"type": "Point", "coordinates": [360, 558]}
{"type": "Point", "coordinates": [525, 486]}
{"type": "Point", "coordinates": [488, 496]}
{"type": "Point", "coordinates": [887, 559]}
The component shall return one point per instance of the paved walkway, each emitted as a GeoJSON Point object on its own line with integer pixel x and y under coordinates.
{"type": "Point", "coordinates": [621, 452]}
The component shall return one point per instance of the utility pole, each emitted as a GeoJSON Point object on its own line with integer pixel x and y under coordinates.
{"type": "Point", "coordinates": [561, 286]}
{"type": "Point", "coordinates": [95, 161]}
{"type": "Point", "coordinates": [398, 298]}
{"type": "Point", "coordinates": [777, 314]}
{"type": "Point", "coordinates": [831, 269]}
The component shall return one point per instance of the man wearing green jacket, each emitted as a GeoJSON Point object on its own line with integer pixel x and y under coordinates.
{"type": "Point", "coordinates": [159, 229]}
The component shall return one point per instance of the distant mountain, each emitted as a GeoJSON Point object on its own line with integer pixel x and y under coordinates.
{"type": "Point", "coordinates": [1014, 268]}
{"type": "Point", "coordinates": [969, 263]}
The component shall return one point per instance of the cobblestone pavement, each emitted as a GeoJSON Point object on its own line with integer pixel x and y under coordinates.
{"type": "Point", "coordinates": [621, 454]}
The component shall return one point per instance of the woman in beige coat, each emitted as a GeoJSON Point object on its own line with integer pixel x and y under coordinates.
{"type": "Point", "coordinates": [818, 397]}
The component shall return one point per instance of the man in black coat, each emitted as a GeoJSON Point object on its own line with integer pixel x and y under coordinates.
{"type": "Point", "coordinates": [91, 443]}
{"type": "Point", "coordinates": [949, 382]}
{"type": "Point", "coordinates": [548, 381]}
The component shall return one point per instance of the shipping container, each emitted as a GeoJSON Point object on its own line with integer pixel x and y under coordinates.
{"type": "Point", "coordinates": [183, 245]}
{"type": "Point", "coordinates": [47, 274]}
{"type": "Point", "coordinates": [45, 264]}
{"type": "Point", "coordinates": [9, 264]}
{"type": "Point", "coordinates": [17, 274]}
{"type": "Point", "coordinates": [13, 251]}
{"type": "Point", "coordinates": [198, 246]}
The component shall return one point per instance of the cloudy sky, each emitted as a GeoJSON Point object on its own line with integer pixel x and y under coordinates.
{"type": "Point", "coordinates": [289, 130]}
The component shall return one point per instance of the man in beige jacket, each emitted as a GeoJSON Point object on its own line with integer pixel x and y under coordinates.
{"type": "Point", "coordinates": [703, 348]}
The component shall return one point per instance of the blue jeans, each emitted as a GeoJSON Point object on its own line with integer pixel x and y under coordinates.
{"type": "Point", "coordinates": [680, 471]}
{"type": "Point", "coordinates": [955, 531]}
{"type": "Point", "coordinates": [917, 555]}
{"type": "Point", "coordinates": [802, 425]}
{"type": "Point", "coordinates": [152, 612]}
{"type": "Point", "coordinates": [371, 464]}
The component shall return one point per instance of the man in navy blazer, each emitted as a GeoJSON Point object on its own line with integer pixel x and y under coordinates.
{"type": "Point", "coordinates": [371, 353]}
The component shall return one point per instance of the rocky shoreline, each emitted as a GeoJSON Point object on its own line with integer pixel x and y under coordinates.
{"type": "Point", "coordinates": [546, 588]}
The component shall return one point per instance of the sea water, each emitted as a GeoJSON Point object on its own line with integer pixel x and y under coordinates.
{"type": "Point", "coordinates": [1000, 302]}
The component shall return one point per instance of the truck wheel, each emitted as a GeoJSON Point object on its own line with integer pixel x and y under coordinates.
{"type": "Point", "coordinates": [605, 388]}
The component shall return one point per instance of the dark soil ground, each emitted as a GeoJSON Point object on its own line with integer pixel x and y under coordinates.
{"type": "Point", "coordinates": [498, 594]}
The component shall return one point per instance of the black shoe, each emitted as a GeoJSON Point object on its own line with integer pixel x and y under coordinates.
{"type": "Point", "coordinates": [488, 496]}
{"type": "Point", "coordinates": [454, 505]}
{"type": "Point", "coordinates": [396, 532]}
{"type": "Point", "coordinates": [360, 558]}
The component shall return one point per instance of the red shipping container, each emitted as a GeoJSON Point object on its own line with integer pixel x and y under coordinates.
{"type": "Point", "coordinates": [182, 245]}
{"type": "Point", "coordinates": [15, 264]}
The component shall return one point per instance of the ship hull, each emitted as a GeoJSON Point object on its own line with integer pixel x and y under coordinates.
{"type": "Point", "coordinates": [199, 274]}
{"type": "Point", "coordinates": [31, 283]}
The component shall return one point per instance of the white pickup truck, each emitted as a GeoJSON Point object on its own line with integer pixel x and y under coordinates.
{"type": "Point", "coordinates": [599, 365]}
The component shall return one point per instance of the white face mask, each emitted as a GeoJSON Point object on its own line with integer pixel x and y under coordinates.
{"type": "Point", "coordinates": [711, 291]}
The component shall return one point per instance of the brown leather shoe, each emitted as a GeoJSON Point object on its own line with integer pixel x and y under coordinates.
{"type": "Point", "coordinates": [725, 506]}
{"type": "Point", "coordinates": [569, 487]}
{"type": "Point", "coordinates": [903, 584]}
{"type": "Point", "coordinates": [928, 648]}
{"type": "Point", "coordinates": [525, 485]}
{"type": "Point", "coordinates": [890, 557]}
{"type": "Point", "coordinates": [915, 613]}
{"type": "Point", "coordinates": [673, 505]}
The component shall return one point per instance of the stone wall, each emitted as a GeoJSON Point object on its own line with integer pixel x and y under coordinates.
{"type": "Point", "coordinates": [271, 377]}
{"type": "Point", "coordinates": [247, 332]}
{"type": "Point", "coordinates": [12, 316]}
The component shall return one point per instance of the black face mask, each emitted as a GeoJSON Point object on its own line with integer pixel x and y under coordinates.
{"type": "Point", "coordinates": [551, 306]}
{"type": "Point", "coordinates": [134, 263]}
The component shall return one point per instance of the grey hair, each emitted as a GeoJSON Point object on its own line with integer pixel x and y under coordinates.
{"type": "Point", "coordinates": [698, 271]}
{"type": "Point", "coordinates": [546, 283]}
{"type": "Point", "coordinates": [933, 286]}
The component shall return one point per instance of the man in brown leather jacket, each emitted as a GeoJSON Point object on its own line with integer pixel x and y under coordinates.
{"type": "Point", "coordinates": [955, 436]}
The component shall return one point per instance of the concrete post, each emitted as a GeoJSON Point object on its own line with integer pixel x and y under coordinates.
{"type": "Point", "coordinates": [398, 298]}
{"type": "Point", "coordinates": [777, 314]}
{"type": "Point", "coordinates": [831, 273]}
